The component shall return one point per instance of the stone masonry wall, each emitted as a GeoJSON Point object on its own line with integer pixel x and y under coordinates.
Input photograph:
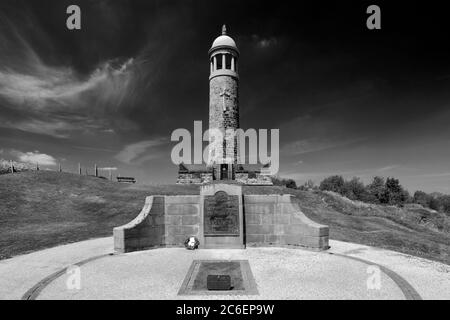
{"type": "Point", "coordinates": [257, 180]}
{"type": "Point", "coordinates": [270, 220]}
{"type": "Point", "coordinates": [205, 178]}
{"type": "Point", "coordinates": [164, 221]}
{"type": "Point", "coordinates": [276, 220]}
{"type": "Point", "coordinates": [145, 231]}
{"type": "Point", "coordinates": [194, 178]}
{"type": "Point", "coordinates": [182, 219]}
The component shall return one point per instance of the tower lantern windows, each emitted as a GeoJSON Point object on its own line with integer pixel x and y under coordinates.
{"type": "Point", "coordinates": [219, 61]}
{"type": "Point", "coordinates": [228, 58]}
{"type": "Point", "coordinates": [223, 61]}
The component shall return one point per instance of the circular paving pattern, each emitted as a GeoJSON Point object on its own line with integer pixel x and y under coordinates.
{"type": "Point", "coordinates": [279, 273]}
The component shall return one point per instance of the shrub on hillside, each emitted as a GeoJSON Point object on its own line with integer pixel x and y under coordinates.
{"type": "Point", "coordinates": [308, 185]}
{"type": "Point", "coordinates": [422, 198]}
{"type": "Point", "coordinates": [445, 202]}
{"type": "Point", "coordinates": [333, 183]}
{"type": "Point", "coordinates": [354, 189]}
{"type": "Point", "coordinates": [289, 183]}
{"type": "Point", "coordinates": [395, 194]}
{"type": "Point", "coordinates": [377, 190]}
{"type": "Point", "coordinates": [435, 201]}
{"type": "Point", "coordinates": [381, 191]}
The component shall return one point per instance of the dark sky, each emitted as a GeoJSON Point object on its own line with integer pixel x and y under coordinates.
{"type": "Point", "coordinates": [346, 99]}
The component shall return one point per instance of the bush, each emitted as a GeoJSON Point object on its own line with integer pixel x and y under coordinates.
{"type": "Point", "coordinates": [289, 183]}
{"type": "Point", "coordinates": [377, 190]}
{"type": "Point", "coordinates": [381, 192]}
{"type": "Point", "coordinates": [395, 194]}
{"type": "Point", "coordinates": [422, 198]}
{"type": "Point", "coordinates": [354, 189]}
{"type": "Point", "coordinates": [333, 183]}
{"type": "Point", "coordinates": [445, 202]}
{"type": "Point", "coordinates": [308, 185]}
{"type": "Point", "coordinates": [435, 201]}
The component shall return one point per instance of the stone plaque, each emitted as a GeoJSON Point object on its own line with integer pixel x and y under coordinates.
{"type": "Point", "coordinates": [221, 215]}
{"type": "Point", "coordinates": [218, 282]}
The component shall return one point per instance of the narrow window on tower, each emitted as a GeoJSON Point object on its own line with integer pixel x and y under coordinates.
{"type": "Point", "coordinates": [228, 61]}
{"type": "Point", "coordinates": [219, 61]}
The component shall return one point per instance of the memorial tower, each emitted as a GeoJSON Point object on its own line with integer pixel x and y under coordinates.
{"type": "Point", "coordinates": [223, 105]}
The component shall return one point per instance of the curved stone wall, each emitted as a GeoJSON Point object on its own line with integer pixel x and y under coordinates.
{"type": "Point", "coordinates": [269, 220]}
{"type": "Point", "coordinates": [275, 220]}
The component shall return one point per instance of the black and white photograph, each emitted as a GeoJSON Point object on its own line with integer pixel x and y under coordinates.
{"type": "Point", "coordinates": [224, 155]}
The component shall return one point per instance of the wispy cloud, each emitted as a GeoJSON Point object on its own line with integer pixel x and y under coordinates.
{"type": "Point", "coordinates": [45, 87]}
{"type": "Point", "coordinates": [53, 128]}
{"type": "Point", "coordinates": [94, 149]}
{"type": "Point", "coordinates": [264, 42]}
{"type": "Point", "coordinates": [50, 99]}
{"type": "Point", "coordinates": [304, 146]}
{"type": "Point", "coordinates": [431, 175]}
{"type": "Point", "coordinates": [57, 84]}
{"type": "Point", "coordinates": [138, 152]}
{"type": "Point", "coordinates": [55, 125]}
{"type": "Point", "coordinates": [387, 168]}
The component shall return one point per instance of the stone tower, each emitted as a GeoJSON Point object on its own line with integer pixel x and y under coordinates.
{"type": "Point", "coordinates": [223, 105]}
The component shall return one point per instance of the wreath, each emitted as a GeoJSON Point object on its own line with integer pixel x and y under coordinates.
{"type": "Point", "coordinates": [191, 243]}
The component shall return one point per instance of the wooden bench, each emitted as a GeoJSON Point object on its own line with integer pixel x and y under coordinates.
{"type": "Point", "coordinates": [126, 179]}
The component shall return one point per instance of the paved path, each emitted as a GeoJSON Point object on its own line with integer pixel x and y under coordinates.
{"type": "Point", "coordinates": [21, 273]}
{"type": "Point", "coordinates": [279, 273]}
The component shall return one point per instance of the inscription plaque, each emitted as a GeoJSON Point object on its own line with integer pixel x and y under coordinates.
{"type": "Point", "coordinates": [221, 215]}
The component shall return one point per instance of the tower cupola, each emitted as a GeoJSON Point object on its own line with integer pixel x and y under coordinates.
{"type": "Point", "coordinates": [223, 56]}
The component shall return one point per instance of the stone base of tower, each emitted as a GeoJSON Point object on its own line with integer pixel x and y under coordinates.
{"type": "Point", "coordinates": [201, 174]}
{"type": "Point", "coordinates": [253, 179]}
{"type": "Point", "coordinates": [245, 220]}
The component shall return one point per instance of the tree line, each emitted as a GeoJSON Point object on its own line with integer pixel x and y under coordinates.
{"type": "Point", "coordinates": [387, 191]}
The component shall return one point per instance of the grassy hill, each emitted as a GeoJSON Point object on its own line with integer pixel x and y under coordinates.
{"type": "Point", "coordinates": [43, 209]}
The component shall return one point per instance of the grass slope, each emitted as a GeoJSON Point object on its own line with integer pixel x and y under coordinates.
{"type": "Point", "coordinates": [43, 209]}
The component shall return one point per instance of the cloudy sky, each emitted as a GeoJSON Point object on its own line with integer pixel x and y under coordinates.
{"type": "Point", "coordinates": [347, 100]}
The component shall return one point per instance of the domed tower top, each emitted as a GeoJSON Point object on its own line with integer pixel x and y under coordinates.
{"type": "Point", "coordinates": [223, 56]}
{"type": "Point", "coordinates": [224, 41]}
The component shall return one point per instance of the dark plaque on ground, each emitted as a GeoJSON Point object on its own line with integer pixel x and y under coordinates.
{"type": "Point", "coordinates": [218, 282]}
{"type": "Point", "coordinates": [219, 274]}
{"type": "Point", "coordinates": [221, 215]}
{"type": "Point", "coordinates": [216, 277]}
